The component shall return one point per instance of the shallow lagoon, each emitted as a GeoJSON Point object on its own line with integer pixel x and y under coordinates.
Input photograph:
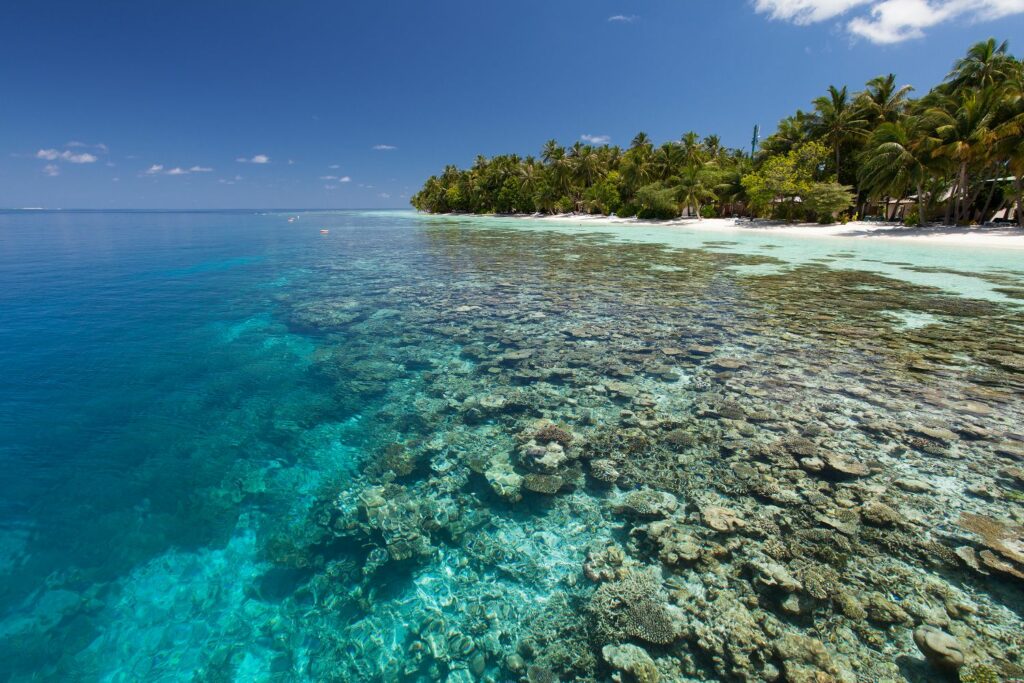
{"type": "Point", "coordinates": [429, 448]}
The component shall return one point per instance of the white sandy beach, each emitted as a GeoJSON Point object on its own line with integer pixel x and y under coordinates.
{"type": "Point", "coordinates": [1002, 237]}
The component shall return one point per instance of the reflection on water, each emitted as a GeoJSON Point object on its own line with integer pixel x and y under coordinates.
{"type": "Point", "coordinates": [476, 449]}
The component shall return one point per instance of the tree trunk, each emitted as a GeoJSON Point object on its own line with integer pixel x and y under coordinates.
{"type": "Point", "coordinates": [961, 203]}
{"type": "Point", "coordinates": [949, 203]}
{"type": "Point", "coordinates": [920, 206]}
{"type": "Point", "coordinates": [988, 201]}
{"type": "Point", "coordinates": [1020, 205]}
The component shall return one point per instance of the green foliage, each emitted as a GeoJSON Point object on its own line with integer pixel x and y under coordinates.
{"type": "Point", "coordinates": [657, 201]}
{"type": "Point", "coordinates": [942, 150]}
{"type": "Point", "coordinates": [628, 209]}
{"type": "Point", "coordinates": [825, 200]}
{"type": "Point", "coordinates": [603, 196]}
{"type": "Point", "coordinates": [784, 178]}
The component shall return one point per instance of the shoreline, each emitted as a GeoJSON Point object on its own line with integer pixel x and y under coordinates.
{"type": "Point", "coordinates": [997, 237]}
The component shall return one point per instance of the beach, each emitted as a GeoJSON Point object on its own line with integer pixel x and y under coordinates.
{"type": "Point", "coordinates": [987, 236]}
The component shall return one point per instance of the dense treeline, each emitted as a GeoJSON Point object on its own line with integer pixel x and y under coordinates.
{"type": "Point", "coordinates": [956, 154]}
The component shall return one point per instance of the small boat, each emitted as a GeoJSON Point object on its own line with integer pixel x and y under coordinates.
{"type": "Point", "coordinates": [324, 231]}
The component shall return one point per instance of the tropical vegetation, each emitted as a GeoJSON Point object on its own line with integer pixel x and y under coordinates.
{"type": "Point", "coordinates": [956, 154]}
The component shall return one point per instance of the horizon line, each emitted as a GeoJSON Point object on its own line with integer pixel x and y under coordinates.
{"type": "Point", "coordinates": [241, 208]}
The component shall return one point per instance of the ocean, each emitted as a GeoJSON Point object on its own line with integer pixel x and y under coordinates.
{"type": "Point", "coordinates": [234, 447]}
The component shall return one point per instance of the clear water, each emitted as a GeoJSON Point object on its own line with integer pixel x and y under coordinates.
{"type": "Point", "coordinates": [184, 396]}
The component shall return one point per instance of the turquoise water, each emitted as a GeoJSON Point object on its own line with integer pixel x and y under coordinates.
{"type": "Point", "coordinates": [235, 448]}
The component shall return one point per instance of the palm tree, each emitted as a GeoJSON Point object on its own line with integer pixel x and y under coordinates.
{"type": "Point", "coordinates": [666, 161]}
{"type": "Point", "coordinates": [985, 64]}
{"type": "Point", "coordinates": [641, 139]}
{"type": "Point", "coordinates": [713, 146]}
{"type": "Point", "coordinates": [897, 158]}
{"type": "Point", "coordinates": [729, 179]}
{"type": "Point", "coordinates": [791, 132]}
{"type": "Point", "coordinates": [693, 153]}
{"type": "Point", "coordinates": [551, 151]}
{"type": "Point", "coordinates": [837, 121]}
{"type": "Point", "coordinates": [1009, 134]}
{"type": "Point", "coordinates": [965, 136]}
{"type": "Point", "coordinates": [693, 189]}
{"type": "Point", "coordinates": [553, 155]}
{"type": "Point", "coordinates": [586, 169]}
{"type": "Point", "coordinates": [636, 166]}
{"type": "Point", "coordinates": [530, 175]}
{"type": "Point", "coordinates": [882, 100]}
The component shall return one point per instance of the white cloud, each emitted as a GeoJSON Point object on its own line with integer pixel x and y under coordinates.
{"type": "Point", "coordinates": [384, 195]}
{"type": "Point", "coordinates": [157, 169]}
{"type": "Point", "coordinates": [334, 166]}
{"type": "Point", "coordinates": [888, 21]}
{"type": "Point", "coordinates": [99, 145]}
{"type": "Point", "coordinates": [291, 162]}
{"type": "Point", "coordinates": [83, 158]}
{"type": "Point", "coordinates": [384, 148]}
{"type": "Point", "coordinates": [623, 18]}
{"type": "Point", "coordinates": [344, 179]}
{"type": "Point", "coordinates": [340, 179]}
{"type": "Point", "coordinates": [256, 159]}
{"type": "Point", "coordinates": [54, 155]}
{"type": "Point", "coordinates": [330, 187]}
{"type": "Point", "coordinates": [51, 170]}
{"type": "Point", "coordinates": [596, 139]}
{"type": "Point", "coordinates": [806, 11]}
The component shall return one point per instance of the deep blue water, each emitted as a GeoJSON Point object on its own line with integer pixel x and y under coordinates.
{"type": "Point", "coordinates": [142, 362]}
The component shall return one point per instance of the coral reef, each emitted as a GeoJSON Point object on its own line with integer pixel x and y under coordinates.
{"type": "Point", "coordinates": [575, 460]}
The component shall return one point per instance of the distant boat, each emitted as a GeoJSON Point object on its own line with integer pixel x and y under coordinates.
{"type": "Point", "coordinates": [324, 231]}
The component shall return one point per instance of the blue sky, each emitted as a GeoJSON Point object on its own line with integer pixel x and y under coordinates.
{"type": "Point", "coordinates": [257, 103]}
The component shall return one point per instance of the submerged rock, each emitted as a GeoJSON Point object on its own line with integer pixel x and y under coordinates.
{"type": "Point", "coordinates": [548, 484]}
{"type": "Point", "coordinates": [646, 503]}
{"type": "Point", "coordinates": [942, 650]}
{"type": "Point", "coordinates": [722, 519]}
{"type": "Point", "coordinates": [633, 606]}
{"type": "Point", "coordinates": [633, 660]}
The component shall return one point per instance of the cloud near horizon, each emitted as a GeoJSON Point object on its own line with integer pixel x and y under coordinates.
{"type": "Point", "coordinates": [384, 148]}
{"type": "Point", "coordinates": [886, 22]}
{"type": "Point", "coordinates": [623, 18]}
{"type": "Point", "coordinates": [596, 139]}
{"type": "Point", "coordinates": [158, 169]}
{"type": "Point", "coordinates": [255, 159]}
{"type": "Point", "coordinates": [66, 155]}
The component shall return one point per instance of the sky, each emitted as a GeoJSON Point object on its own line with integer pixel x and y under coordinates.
{"type": "Point", "coordinates": [333, 104]}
